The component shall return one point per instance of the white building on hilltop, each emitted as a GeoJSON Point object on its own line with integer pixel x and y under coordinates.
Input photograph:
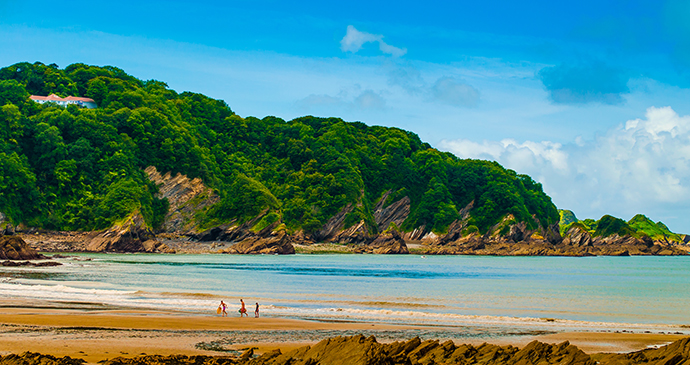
{"type": "Point", "coordinates": [52, 98]}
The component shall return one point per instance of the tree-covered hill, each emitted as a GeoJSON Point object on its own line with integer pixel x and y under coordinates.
{"type": "Point", "coordinates": [638, 226]}
{"type": "Point", "coordinates": [82, 169]}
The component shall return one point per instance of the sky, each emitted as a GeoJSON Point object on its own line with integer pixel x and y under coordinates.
{"type": "Point", "coordinates": [592, 99]}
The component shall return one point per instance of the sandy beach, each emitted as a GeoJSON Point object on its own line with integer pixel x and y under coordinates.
{"type": "Point", "coordinates": [96, 335]}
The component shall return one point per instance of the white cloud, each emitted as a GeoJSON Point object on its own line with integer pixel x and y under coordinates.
{"type": "Point", "coordinates": [354, 40]}
{"type": "Point", "coordinates": [642, 166]}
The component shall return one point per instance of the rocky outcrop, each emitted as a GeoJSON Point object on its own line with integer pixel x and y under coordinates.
{"type": "Point", "coordinates": [359, 234]}
{"type": "Point", "coordinates": [510, 238]}
{"type": "Point", "coordinates": [360, 350]}
{"type": "Point", "coordinates": [395, 213]}
{"type": "Point", "coordinates": [28, 358]}
{"type": "Point", "coordinates": [389, 243]}
{"type": "Point", "coordinates": [333, 226]}
{"type": "Point", "coordinates": [186, 197]}
{"type": "Point", "coordinates": [132, 235]}
{"type": "Point", "coordinates": [278, 244]}
{"type": "Point", "coordinates": [14, 248]}
{"type": "Point", "coordinates": [29, 263]}
{"type": "Point", "coordinates": [246, 241]}
{"type": "Point", "coordinates": [676, 353]}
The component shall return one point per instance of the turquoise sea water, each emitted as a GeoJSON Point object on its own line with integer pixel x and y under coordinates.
{"type": "Point", "coordinates": [552, 293]}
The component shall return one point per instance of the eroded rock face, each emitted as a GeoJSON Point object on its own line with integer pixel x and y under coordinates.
{"type": "Point", "coordinates": [186, 197]}
{"type": "Point", "coordinates": [130, 236]}
{"type": "Point", "coordinates": [395, 213]}
{"type": "Point", "coordinates": [14, 248]}
{"type": "Point", "coordinates": [274, 244]}
{"type": "Point", "coordinates": [333, 226]}
{"type": "Point", "coordinates": [389, 243]}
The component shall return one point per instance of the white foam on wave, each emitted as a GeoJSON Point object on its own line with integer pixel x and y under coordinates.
{"type": "Point", "coordinates": [126, 298]}
{"type": "Point", "coordinates": [454, 319]}
{"type": "Point", "coordinates": [207, 303]}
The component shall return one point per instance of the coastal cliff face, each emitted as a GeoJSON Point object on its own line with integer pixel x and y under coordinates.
{"type": "Point", "coordinates": [188, 197]}
{"type": "Point", "coordinates": [360, 350]}
{"type": "Point", "coordinates": [185, 196]}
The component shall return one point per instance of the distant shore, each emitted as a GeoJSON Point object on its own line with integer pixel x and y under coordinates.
{"type": "Point", "coordinates": [96, 335]}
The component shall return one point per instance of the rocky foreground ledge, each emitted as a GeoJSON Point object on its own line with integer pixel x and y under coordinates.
{"type": "Point", "coordinates": [360, 350]}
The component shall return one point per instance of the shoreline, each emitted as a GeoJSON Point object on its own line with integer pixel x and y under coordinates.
{"type": "Point", "coordinates": [66, 242]}
{"type": "Point", "coordinates": [97, 335]}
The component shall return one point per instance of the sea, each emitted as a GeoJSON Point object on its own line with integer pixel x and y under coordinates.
{"type": "Point", "coordinates": [466, 296]}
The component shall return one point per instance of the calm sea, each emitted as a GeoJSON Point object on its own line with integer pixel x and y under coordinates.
{"type": "Point", "coordinates": [503, 293]}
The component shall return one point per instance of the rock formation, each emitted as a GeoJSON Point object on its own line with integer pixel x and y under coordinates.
{"type": "Point", "coordinates": [186, 197]}
{"type": "Point", "coordinates": [275, 244]}
{"type": "Point", "coordinates": [14, 248]}
{"type": "Point", "coordinates": [132, 235]}
{"type": "Point", "coordinates": [360, 350]}
{"type": "Point", "coordinates": [389, 243]}
{"type": "Point", "coordinates": [510, 238]}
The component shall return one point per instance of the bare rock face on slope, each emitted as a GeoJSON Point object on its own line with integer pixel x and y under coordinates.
{"type": "Point", "coordinates": [14, 248]}
{"type": "Point", "coordinates": [186, 197]}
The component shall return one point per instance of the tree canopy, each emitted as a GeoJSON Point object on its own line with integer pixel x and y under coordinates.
{"type": "Point", "coordinates": [82, 169]}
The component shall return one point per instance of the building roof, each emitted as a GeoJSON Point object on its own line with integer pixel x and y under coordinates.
{"type": "Point", "coordinates": [53, 97]}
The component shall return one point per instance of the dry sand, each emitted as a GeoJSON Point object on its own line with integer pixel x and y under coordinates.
{"type": "Point", "coordinates": [98, 335]}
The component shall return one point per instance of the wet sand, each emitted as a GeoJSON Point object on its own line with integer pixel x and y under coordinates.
{"type": "Point", "coordinates": [95, 335]}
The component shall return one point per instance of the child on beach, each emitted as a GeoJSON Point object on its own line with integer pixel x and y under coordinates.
{"type": "Point", "coordinates": [221, 308]}
{"type": "Point", "coordinates": [243, 310]}
{"type": "Point", "coordinates": [256, 311]}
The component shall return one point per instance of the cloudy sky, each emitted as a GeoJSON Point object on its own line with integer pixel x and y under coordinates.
{"type": "Point", "coordinates": [590, 98]}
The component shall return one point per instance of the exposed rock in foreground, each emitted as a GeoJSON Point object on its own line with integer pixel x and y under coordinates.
{"type": "Point", "coordinates": [360, 350]}
{"type": "Point", "coordinates": [29, 263]}
{"type": "Point", "coordinates": [14, 248]}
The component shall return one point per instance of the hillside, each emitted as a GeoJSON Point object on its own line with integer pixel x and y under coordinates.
{"type": "Point", "coordinates": [83, 169]}
{"type": "Point", "coordinates": [639, 226]}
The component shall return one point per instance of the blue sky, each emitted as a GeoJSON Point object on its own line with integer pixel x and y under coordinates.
{"type": "Point", "coordinates": [591, 98]}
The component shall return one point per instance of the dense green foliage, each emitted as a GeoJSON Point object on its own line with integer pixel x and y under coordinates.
{"type": "Point", "coordinates": [567, 217]}
{"type": "Point", "coordinates": [638, 226]}
{"type": "Point", "coordinates": [657, 231]}
{"type": "Point", "coordinates": [72, 168]}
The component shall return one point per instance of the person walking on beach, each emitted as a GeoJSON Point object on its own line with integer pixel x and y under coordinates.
{"type": "Point", "coordinates": [256, 311]}
{"type": "Point", "coordinates": [243, 310]}
{"type": "Point", "coordinates": [221, 308]}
